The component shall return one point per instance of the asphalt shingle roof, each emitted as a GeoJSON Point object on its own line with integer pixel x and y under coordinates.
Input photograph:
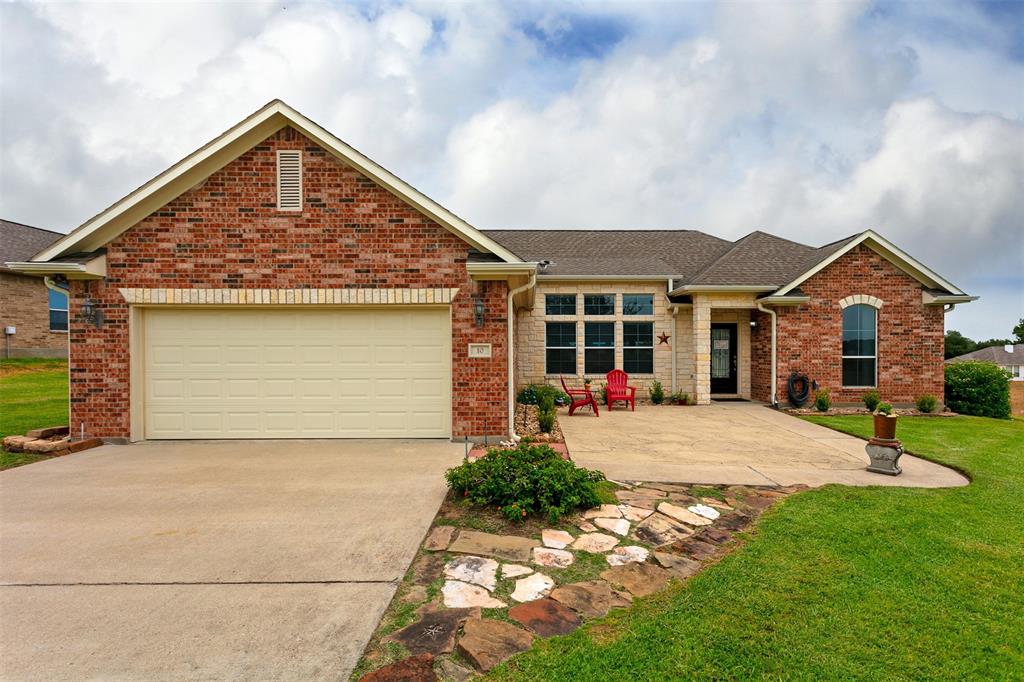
{"type": "Point", "coordinates": [687, 256]}
{"type": "Point", "coordinates": [20, 242]}
{"type": "Point", "coordinates": [666, 253]}
{"type": "Point", "coordinates": [996, 354]}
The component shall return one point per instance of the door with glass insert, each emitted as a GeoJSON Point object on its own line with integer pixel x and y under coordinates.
{"type": "Point", "coordinates": [723, 358]}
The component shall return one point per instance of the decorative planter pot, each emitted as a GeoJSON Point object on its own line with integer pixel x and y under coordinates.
{"type": "Point", "coordinates": [885, 456]}
{"type": "Point", "coordinates": [885, 426]}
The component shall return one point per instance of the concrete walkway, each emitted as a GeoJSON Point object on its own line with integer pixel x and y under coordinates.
{"type": "Point", "coordinates": [268, 560]}
{"type": "Point", "coordinates": [731, 443]}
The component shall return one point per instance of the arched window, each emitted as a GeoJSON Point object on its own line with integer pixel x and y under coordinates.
{"type": "Point", "coordinates": [860, 347]}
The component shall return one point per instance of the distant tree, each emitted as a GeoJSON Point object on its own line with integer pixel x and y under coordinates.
{"type": "Point", "coordinates": [992, 342]}
{"type": "Point", "coordinates": [957, 344]}
{"type": "Point", "coordinates": [1018, 331]}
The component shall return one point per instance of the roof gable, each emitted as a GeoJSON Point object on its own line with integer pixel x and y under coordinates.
{"type": "Point", "coordinates": [830, 253]}
{"type": "Point", "coordinates": [176, 180]}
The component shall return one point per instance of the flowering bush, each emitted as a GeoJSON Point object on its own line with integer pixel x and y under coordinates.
{"type": "Point", "coordinates": [531, 479]}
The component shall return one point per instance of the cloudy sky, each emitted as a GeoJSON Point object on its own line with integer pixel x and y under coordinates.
{"type": "Point", "coordinates": [812, 121]}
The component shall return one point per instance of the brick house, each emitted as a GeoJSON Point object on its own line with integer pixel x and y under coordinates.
{"type": "Point", "coordinates": [277, 283]}
{"type": "Point", "coordinates": [34, 318]}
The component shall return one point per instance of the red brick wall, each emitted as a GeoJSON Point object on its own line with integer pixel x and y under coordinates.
{"type": "Point", "coordinates": [910, 334]}
{"type": "Point", "coordinates": [228, 233]}
{"type": "Point", "coordinates": [761, 356]}
{"type": "Point", "coordinates": [25, 305]}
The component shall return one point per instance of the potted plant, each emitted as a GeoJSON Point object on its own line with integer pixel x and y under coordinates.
{"type": "Point", "coordinates": [885, 422]}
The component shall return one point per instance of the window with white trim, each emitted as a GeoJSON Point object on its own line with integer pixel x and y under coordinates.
{"type": "Point", "coordinates": [598, 347]}
{"type": "Point", "coordinates": [638, 347]}
{"type": "Point", "coordinates": [58, 311]}
{"type": "Point", "coordinates": [637, 304]}
{"type": "Point", "coordinates": [560, 304]}
{"type": "Point", "coordinates": [560, 348]}
{"type": "Point", "coordinates": [289, 180]}
{"type": "Point", "coordinates": [860, 346]}
{"type": "Point", "coordinates": [598, 304]}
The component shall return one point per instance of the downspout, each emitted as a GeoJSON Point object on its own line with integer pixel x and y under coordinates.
{"type": "Point", "coordinates": [511, 356]}
{"type": "Point", "coordinates": [675, 309]}
{"type": "Point", "coordinates": [675, 332]}
{"type": "Point", "coordinates": [948, 308]}
{"type": "Point", "coordinates": [774, 383]}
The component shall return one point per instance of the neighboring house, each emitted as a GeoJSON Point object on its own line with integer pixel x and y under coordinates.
{"type": "Point", "coordinates": [34, 318]}
{"type": "Point", "coordinates": [277, 283]}
{"type": "Point", "coordinates": [1009, 357]}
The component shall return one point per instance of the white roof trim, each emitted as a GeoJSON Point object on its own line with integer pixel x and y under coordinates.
{"type": "Point", "coordinates": [887, 250]}
{"type": "Point", "coordinates": [94, 269]}
{"type": "Point", "coordinates": [720, 288]}
{"type": "Point", "coordinates": [213, 156]}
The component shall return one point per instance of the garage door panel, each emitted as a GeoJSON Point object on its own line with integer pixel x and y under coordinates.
{"type": "Point", "coordinates": [297, 373]}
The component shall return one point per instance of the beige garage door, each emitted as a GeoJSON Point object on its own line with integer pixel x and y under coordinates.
{"type": "Point", "coordinates": [299, 373]}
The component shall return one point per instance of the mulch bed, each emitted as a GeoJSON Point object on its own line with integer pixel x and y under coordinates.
{"type": "Point", "coordinates": [527, 426]}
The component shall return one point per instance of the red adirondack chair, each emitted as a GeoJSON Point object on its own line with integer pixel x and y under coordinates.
{"type": "Point", "coordinates": [618, 389]}
{"type": "Point", "coordinates": [579, 398]}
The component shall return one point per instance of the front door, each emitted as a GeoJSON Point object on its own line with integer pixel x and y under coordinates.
{"type": "Point", "coordinates": [723, 358]}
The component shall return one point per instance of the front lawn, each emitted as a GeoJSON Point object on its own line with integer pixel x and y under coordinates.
{"type": "Point", "coordinates": [841, 583]}
{"type": "Point", "coordinates": [33, 395]}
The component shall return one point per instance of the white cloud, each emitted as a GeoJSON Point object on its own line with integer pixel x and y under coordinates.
{"type": "Point", "coordinates": [809, 120]}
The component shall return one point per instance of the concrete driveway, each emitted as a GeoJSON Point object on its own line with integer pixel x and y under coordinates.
{"type": "Point", "coordinates": [731, 443]}
{"type": "Point", "coordinates": [209, 560]}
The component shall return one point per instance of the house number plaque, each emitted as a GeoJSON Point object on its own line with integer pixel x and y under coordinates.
{"type": "Point", "coordinates": [479, 350]}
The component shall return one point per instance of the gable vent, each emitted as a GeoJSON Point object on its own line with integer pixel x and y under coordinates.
{"type": "Point", "coordinates": [289, 180]}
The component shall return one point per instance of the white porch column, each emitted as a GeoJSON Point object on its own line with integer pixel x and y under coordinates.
{"type": "Point", "coordinates": [702, 348]}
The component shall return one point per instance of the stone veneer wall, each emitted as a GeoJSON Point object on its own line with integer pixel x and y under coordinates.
{"type": "Point", "coordinates": [25, 305]}
{"type": "Point", "coordinates": [226, 233]}
{"type": "Point", "coordinates": [530, 333]}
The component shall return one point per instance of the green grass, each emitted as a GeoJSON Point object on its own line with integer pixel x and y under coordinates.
{"type": "Point", "coordinates": [841, 583]}
{"type": "Point", "coordinates": [33, 394]}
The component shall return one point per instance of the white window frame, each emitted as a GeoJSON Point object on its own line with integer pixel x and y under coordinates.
{"type": "Point", "coordinates": [650, 347]}
{"type": "Point", "coordinates": [575, 352]}
{"type": "Point", "coordinates": [66, 309]}
{"type": "Point", "coordinates": [874, 357]}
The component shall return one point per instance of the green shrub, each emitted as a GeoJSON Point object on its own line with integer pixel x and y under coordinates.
{"type": "Point", "coordinates": [884, 408]}
{"type": "Point", "coordinates": [978, 388]}
{"type": "Point", "coordinates": [546, 418]}
{"type": "Point", "coordinates": [531, 479]}
{"type": "Point", "coordinates": [823, 400]}
{"type": "Point", "coordinates": [657, 393]}
{"type": "Point", "coordinates": [926, 403]}
{"type": "Point", "coordinates": [871, 400]}
{"type": "Point", "coordinates": [534, 393]}
{"type": "Point", "coordinates": [602, 395]}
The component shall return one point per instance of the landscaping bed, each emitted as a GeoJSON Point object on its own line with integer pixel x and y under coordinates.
{"type": "Point", "coordinates": [840, 583]}
{"type": "Point", "coordinates": [528, 426]}
{"type": "Point", "coordinates": [483, 588]}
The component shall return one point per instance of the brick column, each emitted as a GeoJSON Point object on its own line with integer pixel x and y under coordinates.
{"type": "Point", "coordinates": [702, 348]}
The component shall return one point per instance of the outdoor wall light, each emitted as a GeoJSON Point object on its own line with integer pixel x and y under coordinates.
{"type": "Point", "coordinates": [90, 313]}
{"type": "Point", "coordinates": [479, 310]}
{"type": "Point", "coordinates": [753, 323]}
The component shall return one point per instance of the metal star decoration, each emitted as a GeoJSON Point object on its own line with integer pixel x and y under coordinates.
{"type": "Point", "coordinates": [663, 338]}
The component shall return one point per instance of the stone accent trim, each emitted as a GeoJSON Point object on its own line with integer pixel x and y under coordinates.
{"type": "Point", "coordinates": [412, 296]}
{"type": "Point", "coordinates": [872, 301]}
